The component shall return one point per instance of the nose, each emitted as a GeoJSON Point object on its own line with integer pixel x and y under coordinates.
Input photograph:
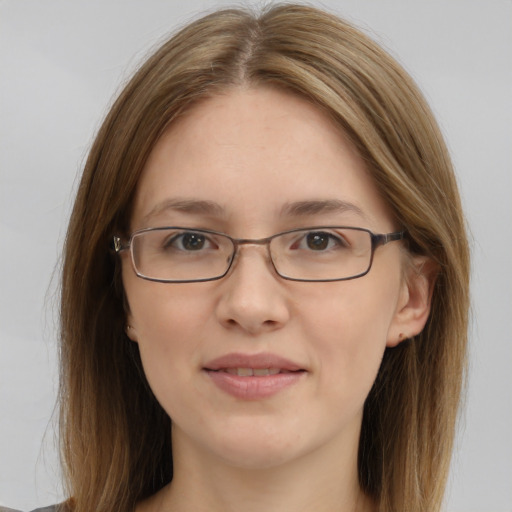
{"type": "Point", "coordinates": [253, 298]}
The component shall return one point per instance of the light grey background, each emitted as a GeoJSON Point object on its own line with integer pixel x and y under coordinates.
{"type": "Point", "coordinates": [61, 63]}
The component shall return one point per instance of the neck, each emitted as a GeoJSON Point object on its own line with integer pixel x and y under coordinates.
{"type": "Point", "coordinates": [324, 481]}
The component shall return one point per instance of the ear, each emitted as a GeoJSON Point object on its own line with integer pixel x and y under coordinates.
{"type": "Point", "coordinates": [130, 328]}
{"type": "Point", "coordinates": [413, 307]}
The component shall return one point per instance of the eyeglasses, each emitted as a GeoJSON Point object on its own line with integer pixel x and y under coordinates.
{"type": "Point", "coordinates": [184, 255]}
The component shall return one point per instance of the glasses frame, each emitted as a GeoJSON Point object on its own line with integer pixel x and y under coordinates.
{"type": "Point", "coordinates": [377, 240]}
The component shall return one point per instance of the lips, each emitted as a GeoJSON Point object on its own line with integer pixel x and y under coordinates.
{"type": "Point", "coordinates": [250, 372]}
{"type": "Point", "coordinates": [254, 361]}
{"type": "Point", "coordinates": [253, 377]}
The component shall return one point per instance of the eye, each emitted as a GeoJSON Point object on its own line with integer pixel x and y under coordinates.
{"type": "Point", "coordinates": [321, 241]}
{"type": "Point", "coordinates": [188, 241]}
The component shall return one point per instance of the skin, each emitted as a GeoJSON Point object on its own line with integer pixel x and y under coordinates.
{"type": "Point", "coordinates": [251, 151]}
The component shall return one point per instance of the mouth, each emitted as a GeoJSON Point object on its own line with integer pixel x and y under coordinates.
{"type": "Point", "coordinates": [255, 372]}
{"type": "Point", "coordinates": [253, 377]}
{"type": "Point", "coordinates": [248, 365]}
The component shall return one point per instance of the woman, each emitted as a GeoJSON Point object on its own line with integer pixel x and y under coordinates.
{"type": "Point", "coordinates": [265, 283]}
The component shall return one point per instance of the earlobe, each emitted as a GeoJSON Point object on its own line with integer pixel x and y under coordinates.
{"type": "Point", "coordinates": [415, 300]}
{"type": "Point", "coordinates": [130, 330]}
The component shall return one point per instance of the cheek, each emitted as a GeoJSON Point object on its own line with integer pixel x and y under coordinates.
{"type": "Point", "coordinates": [162, 313]}
{"type": "Point", "coordinates": [168, 322]}
{"type": "Point", "coordinates": [350, 326]}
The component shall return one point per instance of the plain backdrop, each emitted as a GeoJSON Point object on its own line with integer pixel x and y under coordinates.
{"type": "Point", "coordinates": [61, 64]}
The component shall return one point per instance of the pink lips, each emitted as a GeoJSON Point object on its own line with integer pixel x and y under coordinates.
{"type": "Point", "coordinates": [253, 377]}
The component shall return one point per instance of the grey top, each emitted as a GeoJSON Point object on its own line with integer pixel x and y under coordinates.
{"type": "Point", "coordinates": [52, 508]}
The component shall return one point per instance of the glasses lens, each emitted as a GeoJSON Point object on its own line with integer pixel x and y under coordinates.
{"type": "Point", "coordinates": [169, 254]}
{"type": "Point", "coordinates": [322, 254]}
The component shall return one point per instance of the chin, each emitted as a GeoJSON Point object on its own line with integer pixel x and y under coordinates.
{"type": "Point", "coordinates": [255, 446]}
{"type": "Point", "coordinates": [258, 457]}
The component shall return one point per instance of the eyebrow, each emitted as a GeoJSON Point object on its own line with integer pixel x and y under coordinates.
{"type": "Point", "coordinates": [194, 206]}
{"type": "Point", "coordinates": [304, 208]}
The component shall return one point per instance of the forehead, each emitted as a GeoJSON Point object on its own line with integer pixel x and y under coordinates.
{"type": "Point", "coordinates": [250, 152]}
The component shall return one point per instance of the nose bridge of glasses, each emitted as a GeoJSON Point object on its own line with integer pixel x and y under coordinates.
{"type": "Point", "coordinates": [262, 243]}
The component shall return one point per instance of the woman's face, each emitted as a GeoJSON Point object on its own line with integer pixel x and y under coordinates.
{"type": "Point", "coordinates": [252, 163]}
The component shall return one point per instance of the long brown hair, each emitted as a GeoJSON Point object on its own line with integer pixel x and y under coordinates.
{"type": "Point", "coordinates": [115, 436]}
